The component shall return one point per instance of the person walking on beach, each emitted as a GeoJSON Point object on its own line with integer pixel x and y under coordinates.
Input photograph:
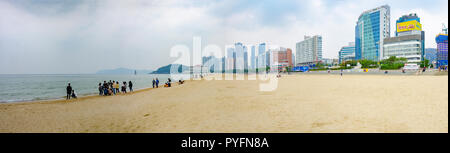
{"type": "Point", "coordinates": [342, 71]}
{"type": "Point", "coordinates": [69, 91]}
{"type": "Point", "coordinates": [157, 82]}
{"type": "Point", "coordinates": [130, 84]}
{"type": "Point", "coordinates": [153, 83]}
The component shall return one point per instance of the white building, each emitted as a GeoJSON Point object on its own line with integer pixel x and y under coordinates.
{"type": "Point", "coordinates": [309, 50]}
{"type": "Point", "coordinates": [407, 46]}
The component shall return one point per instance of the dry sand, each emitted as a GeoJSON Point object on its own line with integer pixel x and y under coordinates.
{"type": "Point", "coordinates": [302, 103]}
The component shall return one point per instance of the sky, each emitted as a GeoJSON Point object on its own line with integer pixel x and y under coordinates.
{"type": "Point", "coordinates": [84, 36]}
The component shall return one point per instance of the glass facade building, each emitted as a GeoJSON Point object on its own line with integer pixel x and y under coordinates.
{"type": "Point", "coordinates": [371, 28]}
{"type": "Point", "coordinates": [430, 54]}
{"type": "Point", "coordinates": [253, 57]}
{"type": "Point", "coordinates": [347, 53]}
{"type": "Point", "coordinates": [261, 58]}
{"type": "Point", "coordinates": [442, 50]}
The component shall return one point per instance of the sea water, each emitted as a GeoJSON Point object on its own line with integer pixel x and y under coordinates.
{"type": "Point", "coordinates": [35, 87]}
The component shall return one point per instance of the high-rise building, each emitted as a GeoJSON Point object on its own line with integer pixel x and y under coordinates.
{"type": "Point", "coordinates": [245, 49]}
{"type": "Point", "coordinates": [253, 57]}
{"type": "Point", "coordinates": [309, 50]}
{"type": "Point", "coordinates": [430, 54]}
{"type": "Point", "coordinates": [442, 50]}
{"type": "Point", "coordinates": [371, 28]}
{"type": "Point", "coordinates": [409, 42]}
{"type": "Point", "coordinates": [407, 46]}
{"type": "Point", "coordinates": [328, 61]}
{"type": "Point", "coordinates": [239, 58]}
{"type": "Point", "coordinates": [229, 61]}
{"type": "Point", "coordinates": [262, 48]}
{"type": "Point", "coordinates": [268, 57]}
{"type": "Point", "coordinates": [408, 25]}
{"type": "Point", "coordinates": [281, 58]}
{"type": "Point", "coordinates": [347, 53]}
{"type": "Point", "coordinates": [261, 57]}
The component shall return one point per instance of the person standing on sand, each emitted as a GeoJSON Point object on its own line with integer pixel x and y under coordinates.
{"type": "Point", "coordinates": [157, 82]}
{"type": "Point", "coordinates": [342, 71]}
{"type": "Point", "coordinates": [116, 87]}
{"type": "Point", "coordinates": [100, 89]}
{"type": "Point", "coordinates": [153, 83]}
{"type": "Point", "coordinates": [113, 87]}
{"type": "Point", "coordinates": [124, 87]}
{"type": "Point", "coordinates": [105, 88]}
{"type": "Point", "coordinates": [69, 91]}
{"type": "Point", "coordinates": [130, 84]}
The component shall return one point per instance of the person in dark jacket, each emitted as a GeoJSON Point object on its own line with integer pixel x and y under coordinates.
{"type": "Point", "coordinates": [105, 88]}
{"type": "Point", "coordinates": [74, 95]}
{"type": "Point", "coordinates": [69, 91]}
{"type": "Point", "coordinates": [100, 89]}
{"type": "Point", "coordinates": [153, 83]}
{"type": "Point", "coordinates": [130, 84]}
{"type": "Point", "coordinates": [157, 82]}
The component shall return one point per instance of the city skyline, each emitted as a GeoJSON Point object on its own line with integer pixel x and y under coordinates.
{"type": "Point", "coordinates": [74, 36]}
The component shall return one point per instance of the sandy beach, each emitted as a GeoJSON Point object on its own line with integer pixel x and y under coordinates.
{"type": "Point", "coordinates": [301, 103]}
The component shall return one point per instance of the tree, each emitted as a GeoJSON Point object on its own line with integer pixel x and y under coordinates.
{"type": "Point", "coordinates": [393, 63]}
{"type": "Point", "coordinates": [319, 65]}
{"type": "Point", "coordinates": [351, 63]}
{"type": "Point", "coordinates": [365, 63]}
{"type": "Point", "coordinates": [288, 68]}
{"type": "Point", "coordinates": [425, 63]}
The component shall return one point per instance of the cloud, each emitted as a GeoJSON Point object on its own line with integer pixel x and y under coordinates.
{"type": "Point", "coordinates": [85, 36]}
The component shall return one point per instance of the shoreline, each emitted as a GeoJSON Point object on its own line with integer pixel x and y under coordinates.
{"type": "Point", "coordinates": [63, 99]}
{"type": "Point", "coordinates": [301, 103]}
{"type": "Point", "coordinates": [82, 97]}
{"type": "Point", "coordinates": [316, 73]}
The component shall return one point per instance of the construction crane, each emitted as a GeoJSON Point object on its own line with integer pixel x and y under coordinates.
{"type": "Point", "coordinates": [444, 29]}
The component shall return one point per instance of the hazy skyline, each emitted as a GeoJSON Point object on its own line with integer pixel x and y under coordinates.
{"type": "Point", "coordinates": [48, 36]}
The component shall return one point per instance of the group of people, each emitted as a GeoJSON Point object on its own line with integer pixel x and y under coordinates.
{"type": "Point", "coordinates": [112, 87]}
{"type": "Point", "coordinates": [70, 92]}
{"type": "Point", "coordinates": [443, 68]}
{"type": "Point", "coordinates": [155, 83]}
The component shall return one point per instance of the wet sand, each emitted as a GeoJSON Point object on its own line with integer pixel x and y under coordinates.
{"type": "Point", "coordinates": [301, 103]}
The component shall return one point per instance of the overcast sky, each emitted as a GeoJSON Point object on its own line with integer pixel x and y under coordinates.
{"type": "Point", "coordinates": [84, 36]}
